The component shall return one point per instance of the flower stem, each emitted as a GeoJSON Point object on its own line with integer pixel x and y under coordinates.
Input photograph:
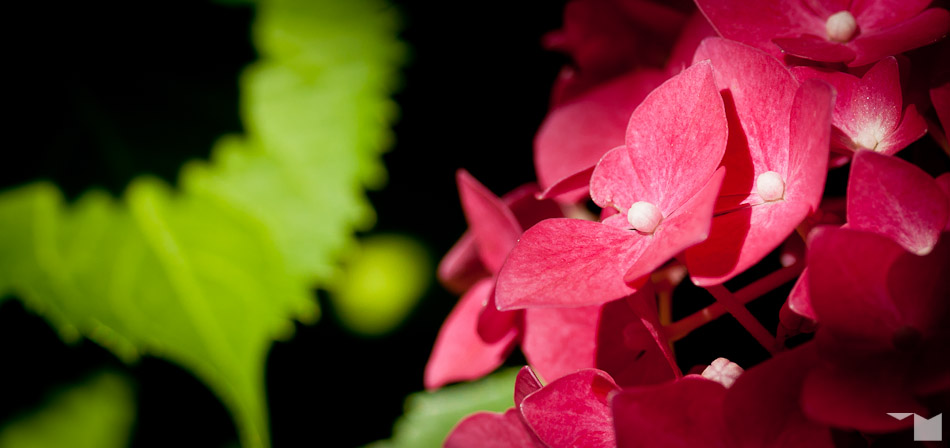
{"type": "Point", "coordinates": [738, 310]}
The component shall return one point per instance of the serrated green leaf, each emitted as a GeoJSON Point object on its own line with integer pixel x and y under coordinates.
{"type": "Point", "coordinates": [210, 275]}
{"type": "Point", "coordinates": [429, 416]}
{"type": "Point", "coordinates": [97, 413]}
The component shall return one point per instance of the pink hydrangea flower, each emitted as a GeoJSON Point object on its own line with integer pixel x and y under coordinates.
{"type": "Point", "coordinates": [663, 182]}
{"type": "Point", "coordinates": [776, 160]}
{"type": "Point", "coordinates": [856, 33]}
{"type": "Point", "coordinates": [867, 111]}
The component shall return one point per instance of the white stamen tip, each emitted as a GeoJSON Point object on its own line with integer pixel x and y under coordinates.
{"type": "Point", "coordinates": [841, 26]}
{"type": "Point", "coordinates": [770, 186]}
{"type": "Point", "coordinates": [644, 216]}
{"type": "Point", "coordinates": [723, 371]}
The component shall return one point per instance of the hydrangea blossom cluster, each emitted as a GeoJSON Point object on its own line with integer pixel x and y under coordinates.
{"type": "Point", "coordinates": [704, 134]}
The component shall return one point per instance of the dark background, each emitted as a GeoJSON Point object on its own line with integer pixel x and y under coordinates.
{"type": "Point", "coordinates": [104, 92]}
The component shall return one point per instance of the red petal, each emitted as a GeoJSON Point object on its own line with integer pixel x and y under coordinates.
{"type": "Point", "coordinates": [737, 20]}
{"type": "Point", "coordinates": [459, 353]}
{"type": "Point", "coordinates": [912, 127]}
{"type": "Point", "coordinates": [573, 411]}
{"type": "Point", "coordinates": [574, 136]}
{"type": "Point", "coordinates": [925, 28]}
{"type": "Point", "coordinates": [526, 383]}
{"type": "Point", "coordinates": [494, 325]}
{"type": "Point", "coordinates": [687, 226]}
{"type": "Point", "coordinates": [491, 430]}
{"type": "Point", "coordinates": [628, 350]}
{"type": "Point", "coordinates": [568, 262]}
{"type": "Point", "coordinates": [675, 139]}
{"type": "Point", "coordinates": [559, 341]}
{"type": "Point", "coordinates": [809, 46]}
{"type": "Point", "coordinates": [494, 225]}
{"type": "Point", "coordinates": [892, 197]}
{"type": "Point", "coordinates": [461, 267]}
{"type": "Point", "coordinates": [684, 413]}
{"type": "Point", "coordinates": [777, 421]}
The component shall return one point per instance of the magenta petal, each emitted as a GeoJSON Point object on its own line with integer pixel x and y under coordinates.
{"type": "Point", "coordinates": [574, 136]}
{"type": "Point", "coordinates": [494, 325]}
{"type": "Point", "coordinates": [494, 225]}
{"type": "Point", "coordinates": [799, 300]}
{"type": "Point", "coordinates": [461, 267]}
{"type": "Point", "coordinates": [683, 413]}
{"type": "Point", "coordinates": [943, 181]}
{"type": "Point", "coordinates": [892, 197]}
{"type": "Point", "coordinates": [912, 127]}
{"type": "Point", "coordinates": [526, 383]}
{"type": "Point", "coordinates": [762, 92]}
{"type": "Point", "coordinates": [687, 226]}
{"type": "Point", "coordinates": [573, 411]}
{"type": "Point", "coordinates": [559, 341]}
{"type": "Point", "coordinates": [491, 430]}
{"type": "Point", "coordinates": [632, 352]}
{"type": "Point", "coordinates": [676, 139]}
{"type": "Point", "coordinates": [459, 353]}
{"type": "Point", "coordinates": [815, 48]}
{"type": "Point", "coordinates": [858, 398]}
{"type": "Point", "coordinates": [778, 420]}
{"type": "Point", "coordinates": [756, 26]}
{"type": "Point", "coordinates": [809, 140]}
{"type": "Point", "coordinates": [567, 262]}
{"type": "Point", "coordinates": [740, 239]}
{"type": "Point", "coordinates": [847, 274]}
{"type": "Point", "coordinates": [572, 188]}
{"type": "Point", "coordinates": [940, 97]}
{"type": "Point", "coordinates": [923, 29]}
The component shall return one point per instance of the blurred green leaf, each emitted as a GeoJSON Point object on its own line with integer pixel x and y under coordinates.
{"type": "Point", "coordinates": [208, 276]}
{"type": "Point", "coordinates": [430, 416]}
{"type": "Point", "coordinates": [97, 413]}
{"type": "Point", "coordinates": [383, 279]}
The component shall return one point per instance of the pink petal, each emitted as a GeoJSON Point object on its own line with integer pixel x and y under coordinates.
{"type": "Point", "coordinates": [629, 351]}
{"type": "Point", "coordinates": [573, 411]}
{"type": "Point", "coordinates": [943, 181]}
{"type": "Point", "coordinates": [461, 267]}
{"type": "Point", "coordinates": [526, 383]}
{"type": "Point", "coordinates": [883, 13]}
{"type": "Point", "coordinates": [865, 288]}
{"type": "Point", "coordinates": [778, 420]}
{"type": "Point", "coordinates": [762, 92]}
{"type": "Point", "coordinates": [572, 188]}
{"type": "Point", "coordinates": [892, 197]}
{"type": "Point", "coordinates": [683, 413]}
{"type": "Point", "coordinates": [912, 127]}
{"type": "Point", "coordinates": [494, 225]}
{"type": "Point", "coordinates": [559, 341]}
{"type": "Point", "coordinates": [815, 48]}
{"type": "Point", "coordinates": [574, 136]}
{"type": "Point", "coordinates": [799, 300]}
{"type": "Point", "coordinates": [687, 226]}
{"type": "Point", "coordinates": [940, 96]}
{"type": "Point", "coordinates": [696, 29]}
{"type": "Point", "coordinates": [494, 325]}
{"type": "Point", "coordinates": [923, 29]}
{"type": "Point", "coordinates": [528, 210]}
{"type": "Point", "coordinates": [459, 353]}
{"type": "Point", "coordinates": [739, 239]}
{"type": "Point", "coordinates": [858, 398]}
{"type": "Point", "coordinates": [675, 140]}
{"type": "Point", "coordinates": [491, 430]}
{"type": "Point", "coordinates": [567, 262]}
{"type": "Point", "coordinates": [757, 25]}
{"type": "Point", "coordinates": [809, 140]}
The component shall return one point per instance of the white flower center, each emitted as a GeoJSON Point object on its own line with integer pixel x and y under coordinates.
{"type": "Point", "coordinates": [644, 216]}
{"type": "Point", "coordinates": [841, 26]}
{"type": "Point", "coordinates": [770, 186]}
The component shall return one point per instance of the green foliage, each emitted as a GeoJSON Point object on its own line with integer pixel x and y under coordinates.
{"type": "Point", "coordinates": [97, 413]}
{"type": "Point", "coordinates": [430, 416]}
{"type": "Point", "coordinates": [382, 281]}
{"type": "Point", "coordinates": [209, 275]}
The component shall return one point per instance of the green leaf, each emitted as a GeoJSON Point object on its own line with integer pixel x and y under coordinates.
{"type": "Point", "coordinates": [209, 275]}
{"type": "Point", "coordinates": [430, 416]}
{"type": "Point", "coordinates": [97, 413]}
